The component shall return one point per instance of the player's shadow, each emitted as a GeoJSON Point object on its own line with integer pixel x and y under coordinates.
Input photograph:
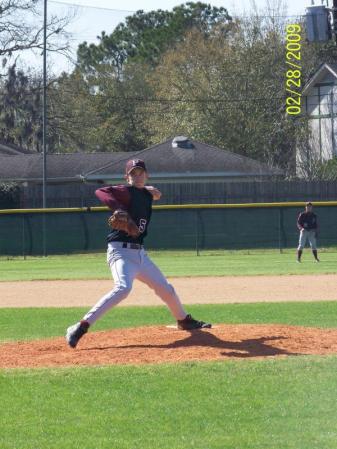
{"type": "Point", "coordinates": [253, 347]}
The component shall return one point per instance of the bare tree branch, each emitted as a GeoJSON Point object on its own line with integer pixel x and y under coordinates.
{"type": "Point", "coordinates": [21, 30]}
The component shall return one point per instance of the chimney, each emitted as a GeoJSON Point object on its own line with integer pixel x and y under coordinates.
{"type": "Point", "coordinates": [182, 142]}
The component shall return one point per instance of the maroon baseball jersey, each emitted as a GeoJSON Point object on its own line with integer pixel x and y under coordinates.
{"type": "Point", "coordinates": [307, 221]}
{"type": "Point", "coordinates": [137, 202]}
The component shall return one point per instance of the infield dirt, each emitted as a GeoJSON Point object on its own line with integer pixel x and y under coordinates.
{"type": "Point", "coordinates": [192, 290]}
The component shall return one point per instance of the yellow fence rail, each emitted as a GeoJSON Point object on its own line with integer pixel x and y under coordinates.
{"type": "Point", "coordinates": [170, 207]}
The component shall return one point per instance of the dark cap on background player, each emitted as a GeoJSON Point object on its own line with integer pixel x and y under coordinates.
{"type": "Point", "coordinates": [134, 163]}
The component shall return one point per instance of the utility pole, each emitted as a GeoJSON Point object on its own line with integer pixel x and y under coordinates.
{"type": "Point", "coordinates": [44, 130]}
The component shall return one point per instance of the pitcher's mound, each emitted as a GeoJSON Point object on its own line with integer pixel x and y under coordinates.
{"type": "Point", "coordinates": [160, 344]}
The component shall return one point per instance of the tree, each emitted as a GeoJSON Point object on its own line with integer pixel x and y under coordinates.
{"type": "Point", "coordinates": [146, 36]}
{"type": "Point", "coordinates": [98, 113]}
{"type": "Point", "coordinates": [226, 90]}
{"type": "Point", "coordinates": [219, 81]}
{"type": "Point", "coordinates": [72, 114]}
{"type": "Point", "coordinates": [120, 103]}
{"type": "Point", "coordinates": [20, 110]}
{"type": "Point", "coordinates": [100, 106]}
{"type": "Point", "coordinates": [21, 30]}
{"type": "Point", "coordinates": [9, 195]}
{"type": "Point", "coordinates": [328, 170]}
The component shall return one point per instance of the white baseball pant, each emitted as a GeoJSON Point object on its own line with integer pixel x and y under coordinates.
{"type": "Point", "coordinates": [126, 265]}
{"type": "Point", "coordinates": [307, 235]}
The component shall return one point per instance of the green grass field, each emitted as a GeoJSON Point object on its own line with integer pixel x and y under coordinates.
{"type": "Point", "coordinates": [182, 263]}
{"type": "Point", "coordinates": [274, 403]}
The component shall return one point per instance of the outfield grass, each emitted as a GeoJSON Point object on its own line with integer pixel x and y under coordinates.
{"type": "Point", "coordinates": [172, 263]}
{"type": "Point", "coordinates": [265, 404]}
{"type": "Point", "coordinates": [25, 324]}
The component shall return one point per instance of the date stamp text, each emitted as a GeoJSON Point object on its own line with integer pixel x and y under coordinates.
{"type": "Point", "coordinates": [293, 74]}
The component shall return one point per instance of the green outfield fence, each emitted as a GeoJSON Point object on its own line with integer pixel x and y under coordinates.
{"type": "Point", "coordinates": [192, 226]}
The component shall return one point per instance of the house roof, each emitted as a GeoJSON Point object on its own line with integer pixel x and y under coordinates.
{"type": "Point", "coordinates": [163, 160]}
{"type": "Point", "coordinates": [60, 167]}
{"type": "Point", "coordinates": [168, 159]}
{"type": "Point", "coordinates": [319, 75]}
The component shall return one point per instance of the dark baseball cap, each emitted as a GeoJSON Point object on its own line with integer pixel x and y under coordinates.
{"type": "Point", "coordinates": [308, 204]}
{"type": "Point", "coordinates": [134, 163]}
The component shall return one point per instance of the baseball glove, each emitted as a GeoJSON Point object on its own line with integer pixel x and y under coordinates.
{"type": "Point", "coordinates": [122, 221]}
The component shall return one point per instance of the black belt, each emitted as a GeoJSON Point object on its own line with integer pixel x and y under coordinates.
{"type": "Point", "coordinates": [132, 245]}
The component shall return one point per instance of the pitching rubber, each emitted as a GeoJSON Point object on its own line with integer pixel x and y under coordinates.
{"type": "Point", "coordinates": [174, 326]}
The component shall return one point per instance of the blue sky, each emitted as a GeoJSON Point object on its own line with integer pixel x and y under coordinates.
{"type": "Point", "coordinates": [93, 16]}
{"type": "Point", "coordinates": [294, 7]}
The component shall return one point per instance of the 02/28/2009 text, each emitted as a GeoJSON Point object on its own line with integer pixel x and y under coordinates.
{"type": "Point", "coordinates": [293, 74]}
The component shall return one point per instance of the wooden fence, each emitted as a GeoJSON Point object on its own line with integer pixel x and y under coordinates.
{"type": "Point", "coordinates": [81, 195]}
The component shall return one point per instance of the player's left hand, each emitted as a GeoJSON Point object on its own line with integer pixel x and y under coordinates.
{"type": "Point", "coordinates": [122, 221]}
{"type": "Point", "coordinates": [156, 193]}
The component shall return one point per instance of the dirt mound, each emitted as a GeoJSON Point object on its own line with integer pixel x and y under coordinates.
{"type": "Point", "coordinates": [160, 344]}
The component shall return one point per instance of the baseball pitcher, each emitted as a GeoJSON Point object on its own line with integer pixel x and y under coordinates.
{"type": "Point", "coordinates": [131, 205]}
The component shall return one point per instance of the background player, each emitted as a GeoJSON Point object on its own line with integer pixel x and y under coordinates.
{"type": "Point", "coordinates": [127, 257]}
{"type": "Point", "coordinates": [308, 226]}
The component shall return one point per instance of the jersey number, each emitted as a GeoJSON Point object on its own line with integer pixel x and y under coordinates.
{"type": "Point", "coordinates": [142, 225]}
